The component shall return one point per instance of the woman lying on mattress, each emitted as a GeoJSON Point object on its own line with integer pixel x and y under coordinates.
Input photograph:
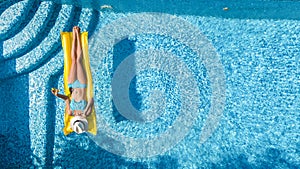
{"type": "Point", "coordinates": [78, 105]}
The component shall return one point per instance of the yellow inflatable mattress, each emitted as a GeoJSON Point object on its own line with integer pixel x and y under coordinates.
{"type": "Point", "coordinates": [66, 39]}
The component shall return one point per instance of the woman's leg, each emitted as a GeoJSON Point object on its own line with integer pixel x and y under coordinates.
{"type": "Point", "coordinates": [73, 70]}
{"type": "Point", "coordinates": [81, 75]}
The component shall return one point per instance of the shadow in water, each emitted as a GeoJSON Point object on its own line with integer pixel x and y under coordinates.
{"type": "Point", "coordinates": [272, 158]}
{"type": "Point", "coordinates": [74, 155]}
{"type": "Point", "coordinates": [121, 50]}
{"type": "Point", "coordinates": [15, 143]}
{"type": "Point", "coordinates": [50, 118]}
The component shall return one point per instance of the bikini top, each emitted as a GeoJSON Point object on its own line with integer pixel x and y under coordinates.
{"type": "Point", "coordinates": [77, 84]}
{"type": "Point", "coordinates": [74, 105]}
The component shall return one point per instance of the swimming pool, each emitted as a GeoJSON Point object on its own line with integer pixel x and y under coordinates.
{"type": "Point", "coordinates": [178, 84]}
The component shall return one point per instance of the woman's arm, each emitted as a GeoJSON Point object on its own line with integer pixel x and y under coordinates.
{"type": "Point", "coordinates": [61, 96]}
{"type": "Point", "coordinates": [65, 98]}
{"type": "Point", "coordinates": [68, 109]}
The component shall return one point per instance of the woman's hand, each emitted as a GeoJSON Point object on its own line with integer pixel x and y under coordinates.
{"type": "Point", "coordinates": [85, 113]}
{"type": "Point", "coordinates": [54, 91]}
{"type": "Point", "coordinates": [88, 110]}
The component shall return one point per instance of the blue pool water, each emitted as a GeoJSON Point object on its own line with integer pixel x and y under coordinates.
{"type": "Point", "coordinates": [178, 84]}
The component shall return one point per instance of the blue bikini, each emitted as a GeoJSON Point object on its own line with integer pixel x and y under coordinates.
{"type": "Point", "coordinates": [78, 105]}
{"type": "Point", "coordinates": [77, 84]}
{"type": "Point", "coordinates": [82, 103]}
